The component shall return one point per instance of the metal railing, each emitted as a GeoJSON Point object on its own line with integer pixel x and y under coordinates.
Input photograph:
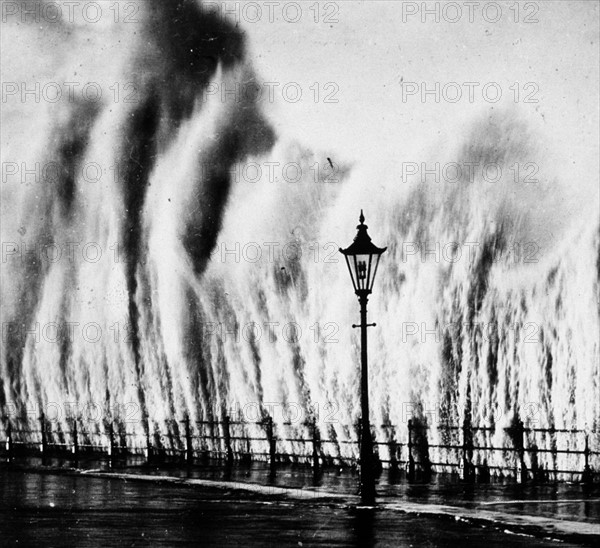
{"type": "Point", "coordinates": [467, 448]}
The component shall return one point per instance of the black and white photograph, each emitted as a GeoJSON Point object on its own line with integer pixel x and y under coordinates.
{"type": "Point", "coordinates": [300, 273]}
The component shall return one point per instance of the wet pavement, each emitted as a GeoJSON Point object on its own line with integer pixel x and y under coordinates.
{"type": "Point", "coordinates": [44, 506]}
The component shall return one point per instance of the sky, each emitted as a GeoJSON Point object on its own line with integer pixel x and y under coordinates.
{"type": "Point", "coordinates": [365, 59]}
{"type": "Point", "coordinates": [551, 56]}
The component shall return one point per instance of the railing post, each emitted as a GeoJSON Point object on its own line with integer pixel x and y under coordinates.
{"type": "Point", "coordinates": [484, 472]}
{"type": "Point", "coordinates": [271, 440]}
{"type": "Point", "coordinates": [424, 449]}
{"type": "Point", "coordinates": [468, 469]}
{"type": "Point", "coordinates": [377, 467]}
{"type": "Point", "coordinates": [358, 429]}
{"type": "Point", "coordinates": [111, 442]}
{"type": "Point", "coordinates": [411, 460]}
{"type": "Point", "coordinates": [520, 447]}
{"type": "Point", "coordinates": [393, 449]}
{"type": "Point", "coordinates": [148, 444]}
{"type": "Point", "coordinates": [189, 449]}
{"type": "Point", "coordinates": [203, 449]}
{"type": "Point", "coordinates": [44, 444]}
{"type": "Point", "coordinates": [537, 471]}
{"type": "Point", "coordinates": [75, 445]}
{"type": "Point", "coordinates": [587, 476]}
{"type": "Point", "coordinates": [227, 440]}
{"type": "Point", "coordinates": [9, 442]}
{"type": "Point", "coordinates": [316, 445]}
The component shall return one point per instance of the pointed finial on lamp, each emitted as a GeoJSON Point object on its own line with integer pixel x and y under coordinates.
{"type": "Point", "coordinates": [362, 217]}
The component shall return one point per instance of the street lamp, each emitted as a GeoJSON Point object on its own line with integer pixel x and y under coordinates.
{"type": "Point", "coordinates": [362, 258]}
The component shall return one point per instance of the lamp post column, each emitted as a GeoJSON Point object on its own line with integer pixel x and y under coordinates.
{"type": "Point", "coordinates": [367, 480]}
{"type": "Point", "coordinates": [362, 259]}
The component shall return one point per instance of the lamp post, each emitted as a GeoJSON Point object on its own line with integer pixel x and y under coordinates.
{"type": "Point", "coordinates": [362, 258]}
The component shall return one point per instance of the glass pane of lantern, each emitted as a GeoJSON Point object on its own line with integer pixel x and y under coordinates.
{"type": "Point", "coordinates": [374, 267]}
{"type": "Point", "coordinates": [350, 263]}
{"type": "Point", "coordinates": [362, 270]}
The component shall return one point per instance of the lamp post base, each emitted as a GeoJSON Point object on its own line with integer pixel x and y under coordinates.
{"type": "Point", "coordinates": [367, 492]}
